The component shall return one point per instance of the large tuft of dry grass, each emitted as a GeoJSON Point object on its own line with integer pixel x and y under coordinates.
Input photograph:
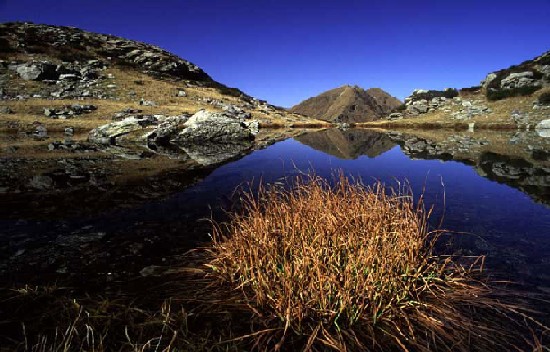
{"type": "Point", "coordinates": [349, 267]}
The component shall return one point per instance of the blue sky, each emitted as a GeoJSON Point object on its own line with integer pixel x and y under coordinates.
{"type": "Point", "coordinates": [286, 51]}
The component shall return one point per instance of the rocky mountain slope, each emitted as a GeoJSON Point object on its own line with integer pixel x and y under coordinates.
{"type": "Point", "coordinates": [45, 69]}
{"type": "Point", "coordinates": [71, 55]}
{"type": "Point", "coordinates": [84, 113]}
{"type": "Point", "coordinates": [348, 104]}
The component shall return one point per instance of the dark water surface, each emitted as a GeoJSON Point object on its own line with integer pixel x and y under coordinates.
{"type": "Point", "coordinates": [498, 220]}
{"type": "Point", "coordinates": [501, 214]}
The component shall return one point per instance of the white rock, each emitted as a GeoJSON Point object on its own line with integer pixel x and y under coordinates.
{"type": "Point", "coordinates": [543, 128]}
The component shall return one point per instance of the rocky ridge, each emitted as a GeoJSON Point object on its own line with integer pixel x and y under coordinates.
{"type": "Point", "coordinates": [522, 79]}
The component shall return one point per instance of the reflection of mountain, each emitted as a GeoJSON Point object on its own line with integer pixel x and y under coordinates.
{"type": "Point", "coordinates": [348, 144]}
{"type": "Point", "coordinates": [525, 166]}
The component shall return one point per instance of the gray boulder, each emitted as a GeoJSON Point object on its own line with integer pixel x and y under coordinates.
{"type": "Point", "coordinates": [108, 134]}
{"type": "Point", "coordinates": [37, 71]}
{"type": "Point", "coordinates": [490, 77]}
{"type": "Point", "coordinates": [520, 80]}
{"type": "Point", "coordinates": [417, 109]}
{"type": "Point", "coordinates": [543, 128]}
{"type": "Point", "coordinates": [214, 127]}
{"type": "Point", "coordinates": [166, 128]}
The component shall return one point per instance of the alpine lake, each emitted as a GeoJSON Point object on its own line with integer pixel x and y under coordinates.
{"type": "Point", "coordinates": [118, 223]}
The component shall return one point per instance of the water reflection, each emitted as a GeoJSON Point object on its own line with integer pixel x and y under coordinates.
{"type": "Point", "coordinates": [348, 144]}
{"type": "Point", "coordinates": [161, 212]}
{"type": "Point", "coordinates": [518, 159]}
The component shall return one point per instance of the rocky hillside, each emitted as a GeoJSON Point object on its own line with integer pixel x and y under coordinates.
{"type": "Point", "coordinates": [518, 80]}
{"type": "Point", "coordinates": [516, 97]}
{"type": "Point", "coordinates": [348, 104]}
{"type": "Point", "coordinates": [67, 56]}
{"type": "Point", "coordinates": [51, 74]}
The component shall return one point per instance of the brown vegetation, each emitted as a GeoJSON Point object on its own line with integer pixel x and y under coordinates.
{"type": "Point", "coordinates": [349, 267]}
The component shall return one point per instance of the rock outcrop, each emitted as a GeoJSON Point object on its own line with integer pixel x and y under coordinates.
{"type": "Point", "coordinates": [426, 101]}
{"type": "Point", "coordinates": [202, 127]}
{"type": "Point", "coordinates": [348, 104]}
{"type": "Point", "coordinates": [206, 126]}
{"type": "Point", "coordinates": [208, 138]}
{"type": "Point", "coordinates": [522, 79]}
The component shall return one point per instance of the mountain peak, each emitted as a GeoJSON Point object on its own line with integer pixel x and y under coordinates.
{"type": "Point", "coordinates": [348, 104]}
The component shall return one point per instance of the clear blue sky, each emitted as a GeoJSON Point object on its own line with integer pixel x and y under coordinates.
{"type": "Point", "coordinates": [286, 51]}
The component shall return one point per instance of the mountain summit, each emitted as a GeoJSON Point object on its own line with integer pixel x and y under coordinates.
{"type": "Point", "coordinates": [348, 104]}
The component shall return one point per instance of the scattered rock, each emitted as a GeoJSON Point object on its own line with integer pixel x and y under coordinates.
{"type": "Point", "coordinates": [40, 182]}
{"type": "Point", "coordinates": [422, 101]}
{"type": "Point", "coordinates": [40, 132]}
{"type": "Point", "coordinates": [147, 102]}
{"type": "Point", "coordinates": [72, 146]}
{"type": "Point", "coordinates": [69, 131]}
{"type": "Point", "coordinates": [68, 111]}
{"type": "Point", "coordinates": [5, 110]}
{"type": "Point", "coordinates": [395, 116]}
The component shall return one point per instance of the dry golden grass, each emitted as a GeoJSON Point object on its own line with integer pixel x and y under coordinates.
{"type": "Point", "coordinates": [349, 268]}
{"type": "Point", "coordinates": [131, 87]}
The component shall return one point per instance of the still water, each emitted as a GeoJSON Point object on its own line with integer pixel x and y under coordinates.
{"type": "Point", "coordinates": [495, 219]}
{"type": "Point", "coordinates": [489, 200]}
